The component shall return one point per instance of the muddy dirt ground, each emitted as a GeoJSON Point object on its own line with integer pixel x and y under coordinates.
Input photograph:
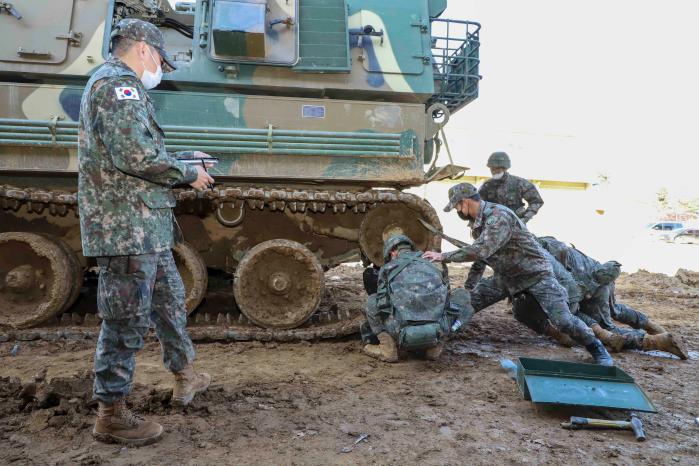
{"type": "Point", "coordinates": [310, 403]}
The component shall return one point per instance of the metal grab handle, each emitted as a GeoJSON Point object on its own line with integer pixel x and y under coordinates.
{"type": "Point", "coordinates": [11, 10]}
{"type": "Point", "coordinates": [289, 21]}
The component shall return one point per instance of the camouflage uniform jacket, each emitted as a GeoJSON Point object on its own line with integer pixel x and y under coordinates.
{"type": "Point", "coordinates": [503, 242]}
{"type": "Point", "coordinates": [509, 191]}
{"type": "Point", "coordinates": [125, 174]}
{"type": "Point", "coordinates": [580, 266]}
{"type": "Point", "coordinates": [565, 279]}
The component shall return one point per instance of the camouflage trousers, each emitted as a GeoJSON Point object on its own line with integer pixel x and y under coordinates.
{"type": "Point", "coordinates": [378, 321]}
{"type": "Point", "coordinates": [487, 292]}
{"type": "Point", "coordinates": [134, 293]}
{"type": "Point", "coordinates": [629, 316]}
{"type": "Point", "coordinates": [552, 299]}
{"type": "Point", "coordinates": [475, 274]}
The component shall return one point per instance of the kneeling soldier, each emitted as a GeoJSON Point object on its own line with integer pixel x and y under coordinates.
{"type": "Point", "coordinates": [412, 309]}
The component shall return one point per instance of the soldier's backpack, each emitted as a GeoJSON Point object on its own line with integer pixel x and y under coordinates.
{"type": "Point", "coordinates": [413, 295]}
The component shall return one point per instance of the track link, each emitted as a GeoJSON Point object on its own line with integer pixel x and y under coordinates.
{"type": "Point", "coordinates": [229, 326]}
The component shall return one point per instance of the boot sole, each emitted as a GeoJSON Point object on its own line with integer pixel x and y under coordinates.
{"type": "Point", "coordinates": [111, 438]}
{"type": "Point", "coordinates": [182, 402]}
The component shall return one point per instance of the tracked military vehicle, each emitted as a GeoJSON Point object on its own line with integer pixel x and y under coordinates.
{"type": "Point", "coordinates": [320, 111]}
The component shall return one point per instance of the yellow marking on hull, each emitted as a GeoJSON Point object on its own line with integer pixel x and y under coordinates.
{"type": "Point", "coordinates": [543, 184]}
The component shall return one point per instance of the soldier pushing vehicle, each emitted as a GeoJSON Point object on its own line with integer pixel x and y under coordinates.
{"type": "Point", "coordinates": [599, 308]}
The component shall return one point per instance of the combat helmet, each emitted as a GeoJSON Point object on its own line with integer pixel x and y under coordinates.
{"type": "Point", "coordinates": [607, 272]}
{"type": "Point", "coordinates": [392, 242]}
{"type": "Point", "coordinates": [459, 192]}
{"type": "Point", "coordinates": [499, 160]}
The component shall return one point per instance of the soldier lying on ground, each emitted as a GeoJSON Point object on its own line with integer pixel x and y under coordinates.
{"type": "Point", "coordinates": [526, 310]}
{"type": "Point", "coordinates": [412, 309]}
{"type": "Point", "coordinates": [599, 309]}
{"type": "Point", "coordinates": [504, 243]}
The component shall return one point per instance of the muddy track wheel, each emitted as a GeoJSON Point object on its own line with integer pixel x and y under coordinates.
{"type": "Point", "coordinates": [76, 273]}
{"type": "Point", "coordinates": [378, 219]}
{"type": "Point", "coordinates": [278, 284]}
{"type": "Point", "coordinates": [35, 282]}
{"type": "Point", "coordinates": [193, 272]}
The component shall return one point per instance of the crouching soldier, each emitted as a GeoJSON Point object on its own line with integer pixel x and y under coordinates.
{"type": "Point", "coordinates": [412, 309]}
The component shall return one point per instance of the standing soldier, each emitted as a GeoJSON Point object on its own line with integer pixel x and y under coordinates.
{"type": "Point", "coordinates": [126, 220]}
{"type": "Point", "coordinates": [510, 191]}
{"type": "Point", "coordinates": [504, 243]}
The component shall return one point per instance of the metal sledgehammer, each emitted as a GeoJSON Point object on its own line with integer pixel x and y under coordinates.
{"type": "Point", "coordinates": [634, 425]}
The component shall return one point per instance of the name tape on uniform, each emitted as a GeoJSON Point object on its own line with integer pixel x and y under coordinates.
{"type": "Point", "coordinates": [127, 93]}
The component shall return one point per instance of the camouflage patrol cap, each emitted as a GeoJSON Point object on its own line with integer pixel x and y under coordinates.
{"type": "Point", "coordinates": [392, 242]}
{"type": "Point", "coordinates": [607, 272]}
{"type": "Point", "coordinates": [459, 192]}
{"type": "Point", "coordinates": [143, 31]}
{"type": "Point", "coordinates": [499, 160]}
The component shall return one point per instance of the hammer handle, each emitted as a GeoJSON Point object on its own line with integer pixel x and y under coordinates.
{"type": "Point", "coordinates": [599, 423]}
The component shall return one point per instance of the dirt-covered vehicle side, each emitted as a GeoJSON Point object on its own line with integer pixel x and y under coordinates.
{"type": "Point", "coordinates": [320, 111]}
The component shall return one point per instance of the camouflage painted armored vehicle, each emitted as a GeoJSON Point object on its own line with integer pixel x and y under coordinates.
{"type": "Point", "coordinates": [320, 112]}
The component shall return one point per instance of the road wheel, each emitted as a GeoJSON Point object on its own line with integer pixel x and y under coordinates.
{"type": "Point", "coordinates": [37, 279]}
{"type": "Point", "coordinates": [278, 284]}
{"type": "Point", "coordinates": [386, 216]}
{"type": "Point", "coordinates": [194, 275]}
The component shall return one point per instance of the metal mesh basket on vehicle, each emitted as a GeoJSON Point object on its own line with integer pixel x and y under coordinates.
{"type": "Point", "coordinates": [455, 62]}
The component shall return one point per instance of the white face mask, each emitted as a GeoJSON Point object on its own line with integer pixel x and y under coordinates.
{"type": "Point", "coordinates": [149, 78]}
{"type": "Point", "coordinates": [497, 176]}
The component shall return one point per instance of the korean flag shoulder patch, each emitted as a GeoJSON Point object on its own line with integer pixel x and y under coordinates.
{"type": "Point", "coordinates": [127, 93]}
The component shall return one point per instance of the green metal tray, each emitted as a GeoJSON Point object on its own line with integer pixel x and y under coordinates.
{"type": "Point", "coordinates": [578, 384]}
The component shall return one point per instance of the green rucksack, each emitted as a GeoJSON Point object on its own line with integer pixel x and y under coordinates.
{"type": "Point", "coordinates": [413, 295]}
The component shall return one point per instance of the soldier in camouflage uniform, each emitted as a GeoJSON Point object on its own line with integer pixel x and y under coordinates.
{"type": "Point", "coordinates": [599, 308]}
{"type": "Point", "coordinates": [126, 220]}
{"type": "Point", "coordinates": [508, 190]}
{"type": "Point", "coordinates": [412, 308]}
{"type": "Point", "coordinates": [505, 244]}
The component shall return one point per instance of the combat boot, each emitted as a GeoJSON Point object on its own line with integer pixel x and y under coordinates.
{"type": "Point", "coordinates": [613, 341]}
{"type": "Point", "coordinates": [599, 353]}
{"type": "Point", "coordinates": [117, 424]}
{"type": "Point", "coordinates": [187, 384]}
{"type": "Point", "coordinates": [654, 329]}
{"type": "Point", "coordinates": [665, 342]}
{"type": "Point", "coordinates": [433, 352]}
{"type": "Point", "coordinates": [386, 350]}
{"type": "Point", "coordinates": [559, 336]}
